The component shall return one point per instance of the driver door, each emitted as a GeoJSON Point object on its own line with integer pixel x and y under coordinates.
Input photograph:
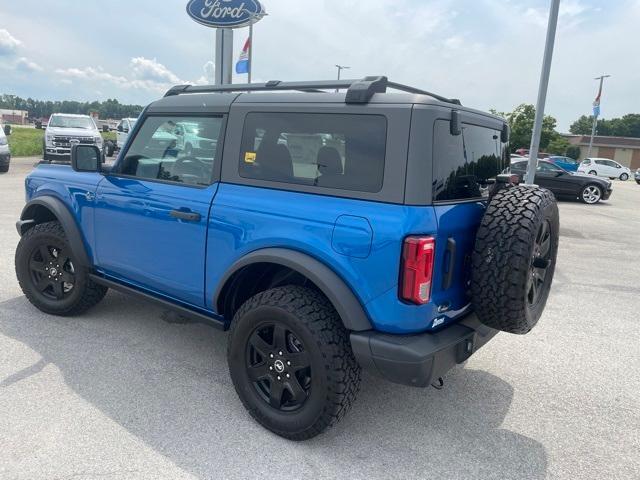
{"type": "Point", "coordinates": [554, 178]}
{"type": "Point", "coordinates": [152, 210]}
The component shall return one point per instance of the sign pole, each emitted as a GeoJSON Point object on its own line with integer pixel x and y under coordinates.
{"type": "Point", "coordinates": [542, 92]}
{"type": "Point", "coordinates": [596, 113]}
{"type": "Point", "coordinates": [224, 56]}
{"type": "Point", "coordinates": [250, 53]}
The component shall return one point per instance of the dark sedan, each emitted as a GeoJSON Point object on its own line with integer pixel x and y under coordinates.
{"type": "Point", "coordinates": [588, 188]}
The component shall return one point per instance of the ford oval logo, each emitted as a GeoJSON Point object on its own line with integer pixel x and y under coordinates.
{"type": "Point", "coordinates": [225, 13]}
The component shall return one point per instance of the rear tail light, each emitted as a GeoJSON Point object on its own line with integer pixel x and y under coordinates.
{"type": "Point", "coordinates": [417, 269]}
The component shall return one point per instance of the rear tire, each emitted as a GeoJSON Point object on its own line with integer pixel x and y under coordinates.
{"type": "Point", "coordinates": [514, 258]}
{"type": "Point", "coordinates": [593, 172]}
{"type": "Point", "coordinates": [49, 275]}
{"type": "Point", "coordinates": [4, 168]}
{"type": "Point", "coordinates": [291, 362]}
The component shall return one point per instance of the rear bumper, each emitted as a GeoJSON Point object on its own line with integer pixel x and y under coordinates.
{"type": "Point", "coordinates": [418, 360]}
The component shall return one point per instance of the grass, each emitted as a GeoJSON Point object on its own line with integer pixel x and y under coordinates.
{"type": "Point", "coordinates": [109, 135]}
{"type": "Point", "coordinates": [27, 142]}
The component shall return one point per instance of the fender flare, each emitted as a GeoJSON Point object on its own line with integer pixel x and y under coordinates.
{"type": "Point", "coordinates": [59, 210]}
{"type": "Point", "coordinates": [347, 305]}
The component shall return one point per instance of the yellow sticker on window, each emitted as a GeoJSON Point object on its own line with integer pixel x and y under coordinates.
{"type": "Point", "coordinates": [250, 157]}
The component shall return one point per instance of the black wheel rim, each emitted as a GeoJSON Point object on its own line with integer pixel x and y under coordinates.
{"type": "Point", "coordinates": [52, 272]}
{"type": "Point", "coordinates": [539, 264]}
{"type": "Point", "coordinates": [279, 367]}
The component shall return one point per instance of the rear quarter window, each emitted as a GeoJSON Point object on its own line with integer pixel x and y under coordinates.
{"type": "Point", "coordinates": [342, 151]}
{"type": "Point", "coordinates": [463, 164]}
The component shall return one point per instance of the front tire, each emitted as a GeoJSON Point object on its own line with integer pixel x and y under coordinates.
{"type": "Point", "coordinates": [593, 172]}
{"type": "Point", "coordinates": [591, 194]}
{"type": "Point", "coordinates": [291, 362]}
{"type": "Point", "coordinates": [49, 274]}
{"type": "Point", "coordinates": [624, 177]}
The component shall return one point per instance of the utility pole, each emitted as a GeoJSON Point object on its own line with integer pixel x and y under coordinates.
{"type": "Point", "coordinates": [340, 68]}
{"type": "Point", "coordinates": [596, 112]}
{"type": "Point", "coordinates": [542, 92]}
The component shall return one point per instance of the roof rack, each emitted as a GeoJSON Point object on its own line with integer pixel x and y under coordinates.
{"type": "Point", "coordinates": [358, 91]}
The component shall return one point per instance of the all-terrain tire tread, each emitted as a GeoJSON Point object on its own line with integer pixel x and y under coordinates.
{"type": "Point", "coordinates": [332, 338]}
{"type": "Point", "coordinates": [92, 292]}
{"type": "Point", "coordinates": [502, 255]}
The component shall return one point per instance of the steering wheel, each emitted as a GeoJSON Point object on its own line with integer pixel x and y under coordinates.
{"type": "Point", "coordinates": [191, 161]}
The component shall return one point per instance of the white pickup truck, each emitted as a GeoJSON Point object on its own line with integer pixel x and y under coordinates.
{"type": "Point", "coordinates": [64, 130]}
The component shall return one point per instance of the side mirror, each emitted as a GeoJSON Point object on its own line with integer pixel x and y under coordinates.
{"type": "Point", "coordinates": [120, 129]}
{"type": "Point", "coordinates": [85, 158]}
{"type": "Point", "coordinates": [504, 134]}
{"type": "Point", "coordinates": [7, 130]}
{"type": "Point", "coordinates": [454, 127]}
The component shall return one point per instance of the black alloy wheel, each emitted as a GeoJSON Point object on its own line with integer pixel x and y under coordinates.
{"type": "Point", "coordinates": [52, 271]}
{"type": "Point", "coordinates": [539, 264]}
{"type": "Point", "coordinates": [279, 366]}
{"type": "Point", "coordinates": [291, 362]}
{"type": "Point", "coordinates": [50, 275]}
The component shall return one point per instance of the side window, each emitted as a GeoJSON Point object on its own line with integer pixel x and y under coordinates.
{"type": "Point", "coordinates": [463, 163]}
{"type": "Point", "coordinates": [548, 168]}
{"type": "Point", "coordinates": [160, 150]}
{"type": "Point", "coordinates": [324, 150]}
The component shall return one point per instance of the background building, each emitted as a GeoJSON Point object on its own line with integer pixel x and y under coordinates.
{"type": "Point", "coordinates": [624, 150]}
{"type": "Point", "coordinates": [17, 117]}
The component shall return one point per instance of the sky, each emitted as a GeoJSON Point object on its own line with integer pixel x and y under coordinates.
{"type": "Point", "coordinates": [488, 53]}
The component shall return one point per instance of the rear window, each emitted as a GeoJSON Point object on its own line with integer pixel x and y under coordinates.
{"type": "Point", "coordinates": [324, 150]}
{"type": "Point", "coordinates": [462, 164]}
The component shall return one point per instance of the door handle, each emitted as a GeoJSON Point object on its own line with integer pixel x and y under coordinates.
{"type": "Point", "coordinates": [185, 215]}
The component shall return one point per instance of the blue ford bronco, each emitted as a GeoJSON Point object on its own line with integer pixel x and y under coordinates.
{"type": "Point", "coordinates": [328, 231]}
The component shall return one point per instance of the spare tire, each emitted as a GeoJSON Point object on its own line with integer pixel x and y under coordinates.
{"type": "Point", "coordinates": [514, 258]}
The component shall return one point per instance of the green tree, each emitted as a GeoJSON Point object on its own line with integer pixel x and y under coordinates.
{"type": "Point", "coordinates": [573, 151]}
{"type": "Point", "coordinates": [521, 124]}
{"type": "Point", "coordinates": [582, 126]}
{"type": "Point", "coordinates": [558, 145]}
{"type": "Point", "coordinates": [110, 108]}
{"type": "Point", "coordinates": [626, 126]}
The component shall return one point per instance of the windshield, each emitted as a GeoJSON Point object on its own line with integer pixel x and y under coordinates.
{"type": "Point", "coordinates": [71, 122]}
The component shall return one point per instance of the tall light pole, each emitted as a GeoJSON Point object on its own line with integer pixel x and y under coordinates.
{"type": "Point", "coordinates": [596, 112]}
{"type": "Point", "coordinates": [340, 68]}
{"type": "Point", "coordinates": [542, 92]}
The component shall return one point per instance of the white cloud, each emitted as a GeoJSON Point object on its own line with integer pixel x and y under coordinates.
{"type": "Point", "coordinates": [27, 65]}
{"type": "Point", "coordinates": [208, 78]}
{"type": "Point", "coordinates": [91, 74]}
{"type": "Point", "coordinates": [153, 71]}
{"type": "Point", "coordinates": [146, 74]}
{"type": "Point", "coordinates": [8, 43]}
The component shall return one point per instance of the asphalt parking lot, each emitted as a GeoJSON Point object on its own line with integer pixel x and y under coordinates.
{"type": "Point", "coordinates": [126, 392]}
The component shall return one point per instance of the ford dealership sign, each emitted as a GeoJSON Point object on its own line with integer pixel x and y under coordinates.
{"type": "Point", "coordinates": [225, 13]}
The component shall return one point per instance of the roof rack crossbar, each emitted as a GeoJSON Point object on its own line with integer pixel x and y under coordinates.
{"type": "Point", "coordinates": [358, 91]}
